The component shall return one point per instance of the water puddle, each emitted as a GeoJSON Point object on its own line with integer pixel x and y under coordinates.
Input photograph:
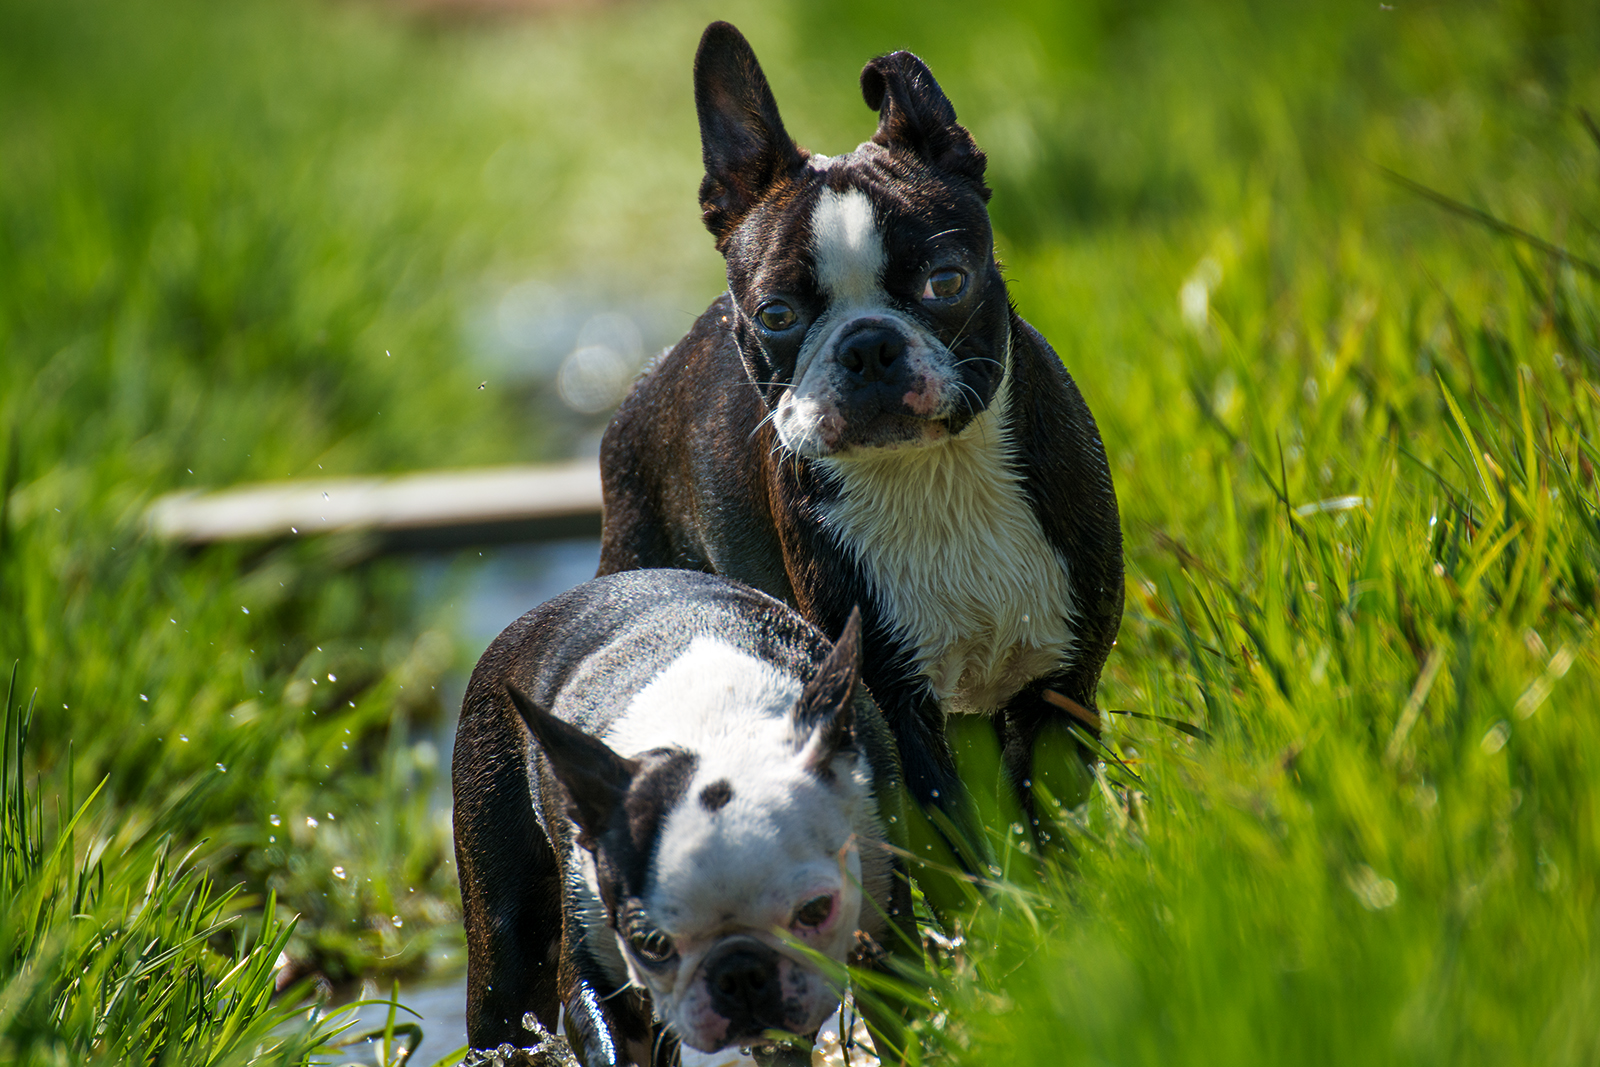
{"type": "Point", "coordinates": [444, 1029]}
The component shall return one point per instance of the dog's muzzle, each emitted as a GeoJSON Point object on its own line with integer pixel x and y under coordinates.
{"type": "Point", "coordinates": [745, 989]}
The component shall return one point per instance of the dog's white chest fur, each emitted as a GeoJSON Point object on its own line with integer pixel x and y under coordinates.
{"type": "Point", "coordinates": [958, 561]}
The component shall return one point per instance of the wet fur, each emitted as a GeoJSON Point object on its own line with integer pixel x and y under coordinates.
{"type": "Point", "coordinates": [698, 476]}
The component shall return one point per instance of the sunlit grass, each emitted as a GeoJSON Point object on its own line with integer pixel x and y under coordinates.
{"type": "Point", "coordinates": [1353, 435]}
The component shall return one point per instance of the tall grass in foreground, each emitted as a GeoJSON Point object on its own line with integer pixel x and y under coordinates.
{"type": "Point", "coordinates": [1373, 578]}
{"type": "Point", "coordinates": [116, 947]}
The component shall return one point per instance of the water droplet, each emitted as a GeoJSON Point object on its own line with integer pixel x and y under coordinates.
{"type": "Point", "coordinates": [397, 920]}
{"type": "Point", "coordinates": [221, 768]}
{"type": "Point", "coordinates": [331, 678]}
{"type": "Point", "coordinates": [338, 872]}
{"type": "Point", "coordinates": [184, 738]}
{"type": "Point", "coordinates": [272, 839]}
{"type": "Point", "coordinates": [244, 609]}
{"type": "Point", "coordinates": [274, 820]}
{"type": "Point", "coordinates": [141, 697]}
{"type": "Point", "coordinates": [311, 821]}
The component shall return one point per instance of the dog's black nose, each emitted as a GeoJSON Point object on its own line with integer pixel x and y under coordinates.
{"type": "Point", "coordinates": [744, 988]}
{"type": "Point", "coordinates": [870, 351]}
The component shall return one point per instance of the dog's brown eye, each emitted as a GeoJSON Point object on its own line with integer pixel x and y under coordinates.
{"type": "Point", "coordinates": [776, 315]}
{"type": "Point", "coordinates": [652, 946]}
{"type": "Point", "coordinates": [814, 912]}
{"type": "Point", "coordinates": [943, 284]}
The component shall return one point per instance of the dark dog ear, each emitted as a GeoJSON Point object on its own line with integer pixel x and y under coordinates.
{"type": "Point", "coordinates": [596, 779]}
{"type": "Point", "coordinates": [826, 712]}
{"type": "Point", "coordinates": [914, 113]}
{"type": "Point", "coordinates": [745, 146]}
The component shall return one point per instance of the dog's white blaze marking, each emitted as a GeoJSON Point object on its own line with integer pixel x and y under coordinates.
{"type": "Point", "coordinates": [847, 248]}
{"type": "Point", "coordinates": [848, 256]}
{"type": "Point", "coordinates": [713, 697]}
{"type": "Point", "coordinates": [958, 561]}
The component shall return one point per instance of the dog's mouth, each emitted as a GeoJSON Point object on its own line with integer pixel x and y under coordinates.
{"type": "Point", "coordinates": [781, 1050]}
{"type": "Point", "coordinates": [891, 430]}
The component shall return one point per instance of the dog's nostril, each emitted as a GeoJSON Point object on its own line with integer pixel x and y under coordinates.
{"type": "Point", "coordinates": [751, 978]}
{"type": "Point", "coordinates": [745, 983]}
{"type": "Point", "coordinates": [870, 352]}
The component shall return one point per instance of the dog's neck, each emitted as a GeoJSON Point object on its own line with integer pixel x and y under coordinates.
{"type": "Point", "coordinates": [957, 560]}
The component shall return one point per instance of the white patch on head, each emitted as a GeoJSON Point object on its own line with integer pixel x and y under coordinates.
{"type": "Point", "coordinates": [957, 561]}
{"type": "Point", "coordinates": [781, 836]}
{"type": "Point", "coordinates": [847, 249]}
{"type": "Point", "coordinates": [711, 697]}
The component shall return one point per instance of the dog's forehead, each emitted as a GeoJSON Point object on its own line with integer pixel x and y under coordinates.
{"type": "Point", "coordinates": [846, 216]}
{"type": "Point", "coordinates": [745, 840]}
{"type": "Point", "coordinates": [714, 705]}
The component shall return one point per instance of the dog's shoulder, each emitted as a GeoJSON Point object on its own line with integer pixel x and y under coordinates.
{"type": "Point", "coordinates": [1066, 460]}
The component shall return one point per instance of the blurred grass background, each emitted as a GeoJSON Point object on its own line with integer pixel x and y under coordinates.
{"type": "Point", "coordinates": [1353, 433]}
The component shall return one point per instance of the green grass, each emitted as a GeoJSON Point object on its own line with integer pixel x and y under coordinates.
{"type": "Point", "coordinates": [1356, 478]}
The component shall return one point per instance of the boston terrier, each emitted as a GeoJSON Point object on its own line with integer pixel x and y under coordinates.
{"type": "Point", "coordinates": [863, 418]}
{"type": "Point", "coordinates": [670, 792]}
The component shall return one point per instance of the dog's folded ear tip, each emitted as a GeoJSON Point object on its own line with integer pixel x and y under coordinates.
{"type": "Point", "coordinates": [873, 86]}
{"type": "Point", "coordinates": [875, 75]}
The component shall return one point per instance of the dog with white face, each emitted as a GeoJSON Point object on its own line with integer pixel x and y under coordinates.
{"type": "Point", "coordinates": [711, 793]}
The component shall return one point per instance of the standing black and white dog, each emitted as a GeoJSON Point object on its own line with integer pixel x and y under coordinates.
{"type": "Point", "coordinates": [863, 418]}
{"type": "Point", "coordinates": [660, 779]}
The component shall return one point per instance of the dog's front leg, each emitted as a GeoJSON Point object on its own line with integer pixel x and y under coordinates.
{"type": "Point", "coordinates": [1046, 749]}
{"type": "Point", "coordinates": [944, 834]}
{"type": "Point", "coordinates": [612, 1027]}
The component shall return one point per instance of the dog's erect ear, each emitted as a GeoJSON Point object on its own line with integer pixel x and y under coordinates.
{"type": "Point", "coordinates": [913, 112]}
{"type": "Point", "coordinates": [596, 779]}
{"type": "Point", "coordinates": [745, 146]}
{"type": "Point", "coordinates": [826, 712]}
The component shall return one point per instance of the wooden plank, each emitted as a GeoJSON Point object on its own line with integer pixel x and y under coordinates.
{"type": "Point", "coordinates": [433, 509]}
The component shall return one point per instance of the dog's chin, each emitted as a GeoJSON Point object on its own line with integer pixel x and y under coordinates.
{"type": "Point", "coordinates": [710, 1042]}
{"type": "Point", "coordinates": [878, 435]}
{"type": "Point", "coordinates": [758, 1040]}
